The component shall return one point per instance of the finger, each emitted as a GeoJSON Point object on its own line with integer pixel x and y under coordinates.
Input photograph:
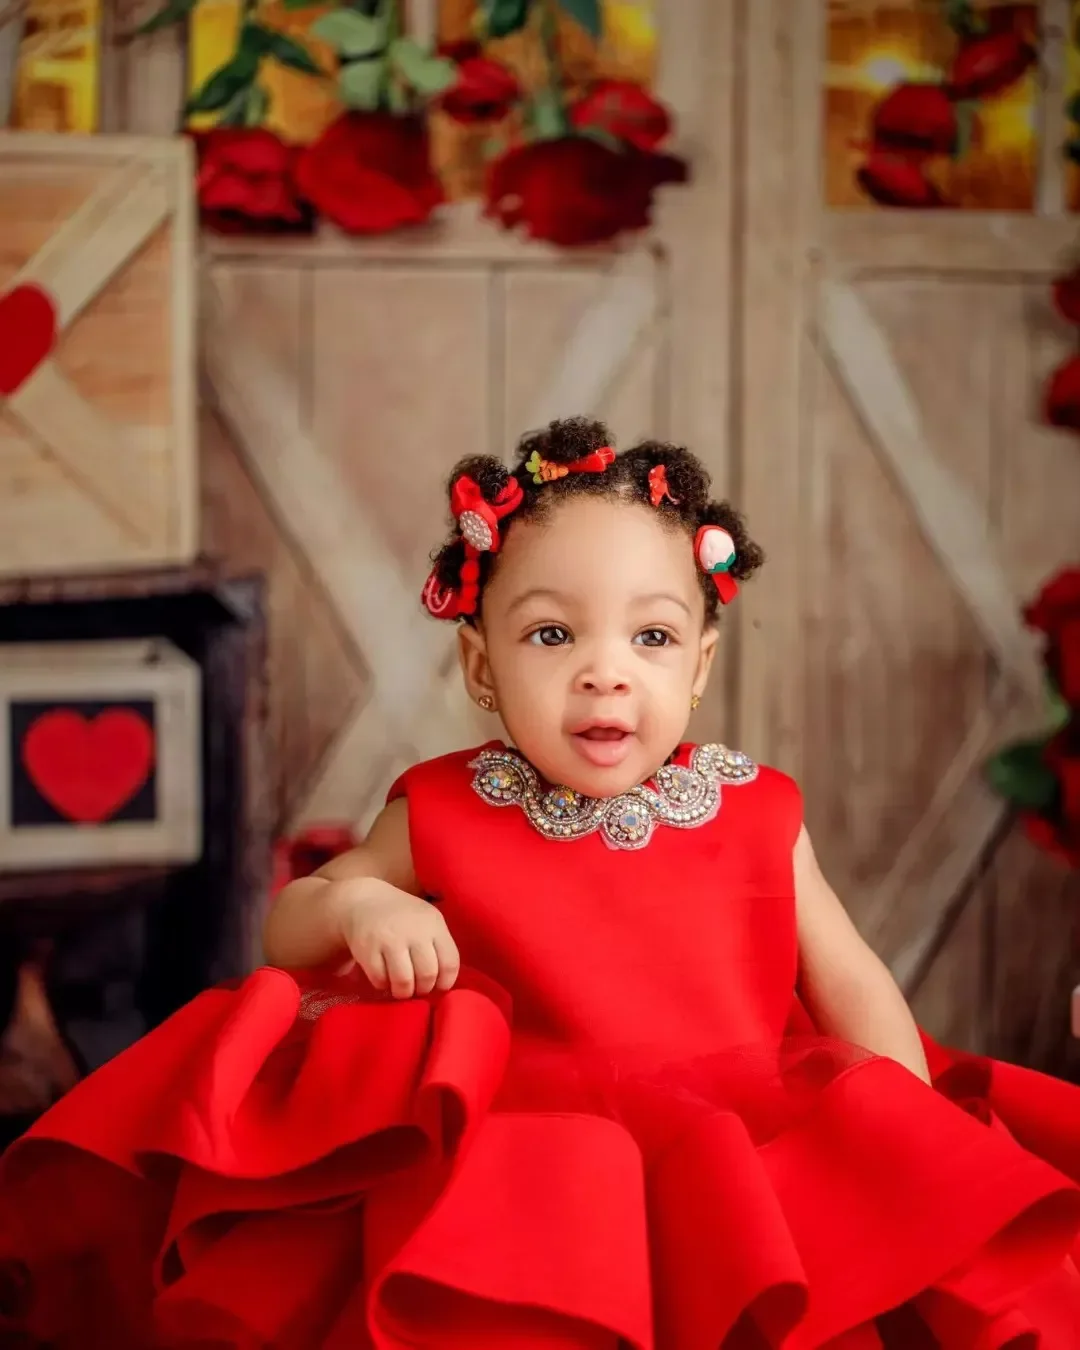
{"type": "Point", "coordinates": [399, 970]}
{"type": "Point", "coordinates": [449, 961]}
{"type": "Point", "coordinates": [425, 966]}
{"type": "Point", "coordinates": [374, 967]}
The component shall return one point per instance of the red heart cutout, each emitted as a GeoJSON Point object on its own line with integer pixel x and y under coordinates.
{"type": "Point", "coordinates": [27, 334]}
{"type": "Point", "coordinates": [88, 768]}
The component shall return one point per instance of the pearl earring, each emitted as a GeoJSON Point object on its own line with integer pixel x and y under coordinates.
{"type": "Point", "coordinates": [486, 702]}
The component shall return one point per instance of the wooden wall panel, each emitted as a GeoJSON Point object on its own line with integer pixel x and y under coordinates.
{"type": "Point", "coordinates": [540, 310]}
{"type": "Point", "coordinates": [315, 675]}
{"type": "Point", "coordinates": [400, 391]}
{"type": "Point", "coordinates": [949, 1002]}
{"type": "Point", "coordinates": [904, 669]}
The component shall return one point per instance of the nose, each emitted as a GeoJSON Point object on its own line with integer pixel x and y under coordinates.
{"type": "Point", "coordinates": [602, 673]}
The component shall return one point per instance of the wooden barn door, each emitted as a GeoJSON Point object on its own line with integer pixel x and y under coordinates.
{"type": "Point", "coordinates": [351, 375]}
{"type": "Point", "coordinates": [894, 464]}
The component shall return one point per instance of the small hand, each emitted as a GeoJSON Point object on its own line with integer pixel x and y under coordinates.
{"type": "Point", "coordinates": [401, 943]}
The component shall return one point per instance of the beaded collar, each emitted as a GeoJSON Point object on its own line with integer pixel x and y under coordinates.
{"type": "Point", "coordinates": [684, 796]}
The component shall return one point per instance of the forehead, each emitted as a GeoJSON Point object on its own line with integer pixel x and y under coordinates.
{"type": "Point", "coordinates": [597, 546]}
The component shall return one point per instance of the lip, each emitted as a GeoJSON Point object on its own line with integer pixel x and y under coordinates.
{"type": "Point", "coordinates": [604, 724]}
{"type": "Point", "coordinates": [602, 754]}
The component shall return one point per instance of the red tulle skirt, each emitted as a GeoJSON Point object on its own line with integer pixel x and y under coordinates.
{"type": "Point", "coordinates": [301, 1169]}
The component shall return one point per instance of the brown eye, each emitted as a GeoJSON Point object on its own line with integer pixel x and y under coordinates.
{"type": "Point", "coordinates": [551, 636]}
{"type": "Point", "coordinates": [653, 637]}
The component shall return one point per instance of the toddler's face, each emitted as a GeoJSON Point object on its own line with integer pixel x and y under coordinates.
{"type": "Point", "coordinates": [592, 642]}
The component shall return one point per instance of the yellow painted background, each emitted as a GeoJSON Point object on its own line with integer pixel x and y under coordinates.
{"type": "Point", "coordinates": [58, 78]}
{"type": "Point", "coordinates": [870, 50]}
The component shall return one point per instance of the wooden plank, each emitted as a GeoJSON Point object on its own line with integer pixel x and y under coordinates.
{"type": "Point", "coordinates": [877, 243]}
{"type": "Point", "coordinates": [779, 79]}
{"type": "Point", "coordinates": [88, 447]}
{"type": "Point", "coordinates": [84, 254]}
{"type": "Point", "coordinates": [461, 236]}
{"type": "Point", "coordinates": [948, 1002]}
{"type": "Point", "coordinates": [144, 78]}
{"type": "Point", "coordinates": [1055, 22]}
{"type": "Point", "coordinates": [1035, 902]}
{"type": "Point", "coordinates": [313, 685]}
{"type": "Point", "coordinates": [952, 524]}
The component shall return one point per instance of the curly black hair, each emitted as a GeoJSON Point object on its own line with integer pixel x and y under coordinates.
{"type": "Point", "coordinates": [565, 442]}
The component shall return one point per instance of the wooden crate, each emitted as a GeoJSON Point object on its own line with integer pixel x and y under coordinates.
{"type": "Point", "coordinates": [100, 755]}
{"type": "Point", "coordinates": [97, 364]}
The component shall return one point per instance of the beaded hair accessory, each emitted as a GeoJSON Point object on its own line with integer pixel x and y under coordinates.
{"type": "Point", "coordinates": [478, 522]}
{"type": "Point", "coordinates": [714, 550]}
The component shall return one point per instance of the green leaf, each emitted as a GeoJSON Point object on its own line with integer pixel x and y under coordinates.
{"type": "Point", "coordinates": [587, 13]}
{"type": "Point", "coordinates": [966, 115]}
{"type": "Point", "coordinates": [300, 4]}
{"type": "Point", "coordinates": [174, 11]}
{"type": "Point", "coordinates": [225, 83]}
{"type": "Point", "coordinates": [288, 52]}
{"type": "Point", "coordinates": [546, 115]}
{"type": "Point", "coordinates": [350, 34]}
{"type": "Point", "coordinates": [1019, 775]}
{"type": "Point", "coordinates": [428, 75]}
{"type": "Point", "coordinates": [503, 17]}
{"type": "Point", "coordinates": [256, 106]}
{"type": "Point", "coordinates": [603, 137]}
{"type": "Point", "coordinates": [397, 98]}
{"type": "Point", "coordinates": [1060, 714]}
{"type": "Point", "coordinates": [360, 84]}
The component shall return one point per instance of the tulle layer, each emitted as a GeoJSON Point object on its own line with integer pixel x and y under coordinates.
{"type": "Point", "coordinates": [298, 1168]}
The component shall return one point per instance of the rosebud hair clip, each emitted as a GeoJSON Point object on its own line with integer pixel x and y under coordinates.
{"type": "Point", "coordinates": [714, 549]}
{"type": "Point", "coordinates": [478, 521]}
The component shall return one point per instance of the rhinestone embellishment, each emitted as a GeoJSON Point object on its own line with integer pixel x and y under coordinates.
{"type": "Point", "coordinates": [475, 530]}
{"type": "Point", "coordinates": [684, 796]}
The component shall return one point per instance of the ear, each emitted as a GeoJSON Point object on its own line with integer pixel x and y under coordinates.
{"type": "Point", "coordinates": [709, 637]}
{"type": "Point", "coordinates": [472, 653]}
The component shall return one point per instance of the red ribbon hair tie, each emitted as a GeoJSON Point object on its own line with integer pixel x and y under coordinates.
{"type": "Point", "coordinates": [478, 521]}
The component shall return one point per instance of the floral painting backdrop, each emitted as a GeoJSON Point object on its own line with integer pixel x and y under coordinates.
{"type": "Point", "coordinates": [932, 103]}
{"type": "Point", "coordinates": [350, 112]}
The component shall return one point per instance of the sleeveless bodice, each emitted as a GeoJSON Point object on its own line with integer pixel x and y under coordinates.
{"type": "Point", "coordinates": [684, 947]}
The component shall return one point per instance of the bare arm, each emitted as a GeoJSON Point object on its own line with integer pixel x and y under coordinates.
{"type": "Point", "coordinates": [847, 990]}
{"type": "Point", "coordinates": [307, 923]}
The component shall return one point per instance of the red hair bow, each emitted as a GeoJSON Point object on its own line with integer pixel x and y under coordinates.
{"type": "Point", "coordinates": [478, 521]}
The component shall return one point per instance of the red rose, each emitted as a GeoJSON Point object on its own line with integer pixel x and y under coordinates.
{"type": "Point", "coordinates": [244, 181]}
{"type": "Point", "coordinates": [574, 191]}
{"type": "Point", "coordinates": [1056, 612]}
{"type": "Point", "coordinates": [1067, 297]}
{"type": "Point", "coordinates": [1063, 395]}
{"type": "Point", "coordinates": [989, 65]}
{"type": "Point", "coordinates": [1063, 756]}
{"type": "Point", "coordinates": [370, 172]}
{"type": "Point", "coordinates": [624, 110]}
{"type": "Point", "coordinates": [892, 180]}
{"type": "Point", "coordinates": [1058, 841]}
{"type": "Point", "coordinates": [915, 119]}
{"type": "Point", "coordinates": [485, 90]}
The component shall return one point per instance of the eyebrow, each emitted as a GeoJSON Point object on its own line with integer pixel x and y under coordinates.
{"type": "Point", "coordinates": [559, 598]}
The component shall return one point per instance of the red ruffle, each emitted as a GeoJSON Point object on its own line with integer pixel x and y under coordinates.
{"type": "Point", "coordinates": [272, 1168]}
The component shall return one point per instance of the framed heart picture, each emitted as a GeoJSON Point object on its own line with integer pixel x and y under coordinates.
{"type": "Point", "coordinates": [101, 752]}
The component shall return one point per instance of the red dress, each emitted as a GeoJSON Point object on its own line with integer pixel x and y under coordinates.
{"type": "Point", "coordinates": [617, 1133]}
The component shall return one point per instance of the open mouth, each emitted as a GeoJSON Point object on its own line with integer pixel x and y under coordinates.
{"type": "Point", "coordinates": [603, 744]}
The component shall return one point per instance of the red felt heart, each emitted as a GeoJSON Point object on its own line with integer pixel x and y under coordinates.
{"type": "Point", "coordinates": [27, 334]}
{"type": "Point", "coordinates": [87, 768]}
